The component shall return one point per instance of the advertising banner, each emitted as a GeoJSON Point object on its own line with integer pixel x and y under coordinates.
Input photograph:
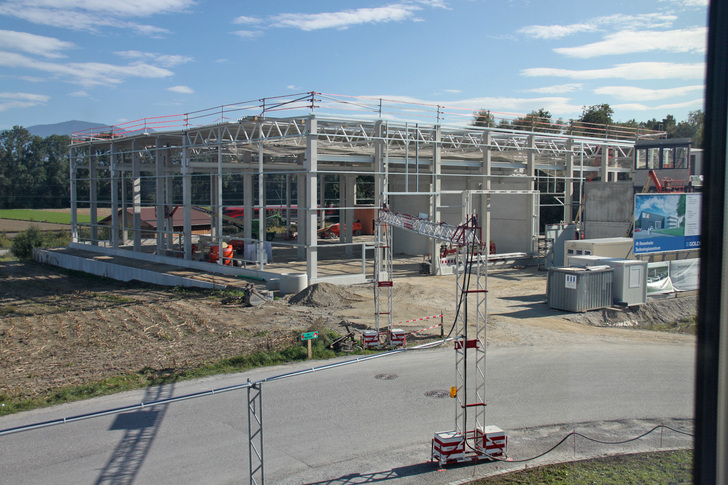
{"type": "Point", "coordinates": [666, 222]}
{"type": "Point", "coordinates": [685, 274]}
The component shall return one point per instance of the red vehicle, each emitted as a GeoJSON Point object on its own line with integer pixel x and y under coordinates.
{"type": "Point", "coordinates": [334, 230]}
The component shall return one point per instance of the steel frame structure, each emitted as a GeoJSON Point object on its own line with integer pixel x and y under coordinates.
{"type": "Point", "coordinates": [155, 163]}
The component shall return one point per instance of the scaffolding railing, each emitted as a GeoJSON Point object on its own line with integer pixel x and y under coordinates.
{"type": "Point", "coordinates": [362, 107]}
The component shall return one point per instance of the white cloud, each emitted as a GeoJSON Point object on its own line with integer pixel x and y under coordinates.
{"type": "Point", "coordinates": [635, 70]}
{"type": "Point", "coordinates": [556, 89]}
{"type": "Point", "coordinates": [92, 15]}
{"type": "Point", "coordinates": [127, 8]}
{"type": "Point", "coordinates": [181, 89]}
{"type": "Point", "coordinates": [688, 3]}
{"type": "Point", "coordinates": [21, 100]}
{"type": "Point", "coordinates": [80, 94]}
{"type": "Point", "coordinates": [555, 31]}
{"type": "Point", "coordinates": [248, 34]}
{"type": "Point", "coordinates": [695, 103]}
{"type": "Point", "coordinates": [643, 21]}
{"type": "Point", "coordinates": [247, 20]}
{"type": "Point", "coordinates": [84, 73]}
{"type": "Point", "coordinates": [164, 60]}
{"type": "Point", "coordinates": [452, 91]}
{"type": "Point", "coordinates": [608, 23]}
{"type": "Point", "coordinates": [625, 42]}
{"type": "Point", "coordinates": [33, 44]}
{"type": "Point", "coordinates": [343, 19]}
{"type": "Point", "coordinates": [631, 93]}
{"type": "Point", "coordinates": [293, 87]}
{"type": "Point", "coordinates": [498, 105]}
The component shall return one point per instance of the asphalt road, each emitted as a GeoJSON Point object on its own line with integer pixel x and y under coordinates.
{"type": "Point", "coordinates": [365, 423]}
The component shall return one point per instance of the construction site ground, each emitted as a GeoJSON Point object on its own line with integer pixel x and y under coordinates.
{"type": "Point", "coordinates": [60, 328]}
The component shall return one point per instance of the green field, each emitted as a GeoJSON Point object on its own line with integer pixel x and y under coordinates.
{"type": "Point", "coordinates": [40, 216]}
{"type": "Point", "coordinates": [673, 467]}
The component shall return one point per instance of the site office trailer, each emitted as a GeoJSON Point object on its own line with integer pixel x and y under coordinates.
{"type": "Point", "coordinates": [612, 247]}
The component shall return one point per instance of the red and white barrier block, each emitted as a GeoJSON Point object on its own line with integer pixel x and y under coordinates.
{"type": "Point", "coordinates": [397, 337]}
{"type": "Point", "coordinates": [370, 339]}
{"type": "Point", "coordinates": [448, 446]}
{"type": "Point", "coordinates": [493, 441]}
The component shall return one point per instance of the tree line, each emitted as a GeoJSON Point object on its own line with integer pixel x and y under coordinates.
{"type": "Point", "coordinates": [593, 118]}
{"type": "Point", "coordinates": [34, 171]}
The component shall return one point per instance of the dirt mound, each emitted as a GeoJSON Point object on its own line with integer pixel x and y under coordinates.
{"type": "Point", "coordinates": [654, 312]}
{"type": "Point", "coordinates": [323, 295]}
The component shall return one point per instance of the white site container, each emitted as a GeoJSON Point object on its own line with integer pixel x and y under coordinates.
{"type": "Point", "coordinates": [613, 247]}
{"type": "Point", "coordinates": [629, 281]}
{"type": "Point", "coordinates": [629, 284]}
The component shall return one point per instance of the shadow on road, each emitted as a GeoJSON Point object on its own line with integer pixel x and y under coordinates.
{"type": "Point", "coordinates": [140, 430]}
{"type": "Point", "coordinates": [383, 476]}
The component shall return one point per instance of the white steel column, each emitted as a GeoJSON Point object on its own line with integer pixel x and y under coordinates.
{"type": "Point", "coordinates": [159, 187]}
{"type": "Point", "coordinates": [114, 179]}
{"type": "Point", "coordinates": [136, 195]}
{"type": "Point", "coordinates": [535, 198]}
{"type": "Point", "coordinates": [73, 178]}
{"type": "Point", "coordinates": [302, 215]}
{"type": "Point", "coordinates": [569, 182]}
{"type": "Point", "coordinates": [604, 166]}
{"type": "Point", "coordinates": [92, 195]}
{"type": "Point", "coordinates": [248, 208]}
{"type": "Point", "coordinates": [168, 199]}
{"type": "Point", "coordinates": [311, 168]}
{"type": "Point", "coordinates": [487, 171]}
{"type": "Point", "coordinates": [217, 202]}
{"type": "Point", "coordinates": [436, 187]}
{"type": "Point", "coordinates": [187, 198]}
{"type": "Point", "coordinates": [261, 205]}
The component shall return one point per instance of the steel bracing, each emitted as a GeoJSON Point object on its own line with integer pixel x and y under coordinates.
{"type": "Point", "coordinates": [383, 284]}
{"type": "Point", "coordinates": [255, 433]}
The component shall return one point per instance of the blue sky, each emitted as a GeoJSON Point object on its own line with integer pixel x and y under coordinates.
{"type": "Point", "coordinates": [112, 61]}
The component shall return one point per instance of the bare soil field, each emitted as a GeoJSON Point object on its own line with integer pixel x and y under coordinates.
{"type": "Point", "coordinates": [60, 328]}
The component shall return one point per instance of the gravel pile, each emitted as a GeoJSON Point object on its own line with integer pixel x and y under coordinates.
{"type": "Point", "coordinates": [323, 295]}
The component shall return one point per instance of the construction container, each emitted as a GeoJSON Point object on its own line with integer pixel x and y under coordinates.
{"type": "Point", "coordinates": [580, 289]}
{"type": "Point", "coordinates": [556, 236]}
{"type": "Point", "coordinates": [613, 247]}
{"type": "Point", "coordinates": [629, 284]}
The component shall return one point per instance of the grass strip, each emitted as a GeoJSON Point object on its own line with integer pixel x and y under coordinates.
{"type": "Point", "coordinates": [35, 215]}
{"type": "Point", "coordinates": [153, 377]}
{"type": "Point", "coordinates": [663, 467]}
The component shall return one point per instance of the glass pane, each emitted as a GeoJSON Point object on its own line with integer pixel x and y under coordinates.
{"type": "Point", "coordinates": [668, 159]}
{"type": "Point", "coordinates": [641, 158]}
{"type": "Point", "coordinates": [653, 158]}
{"type": "Point", "coordinates": [681, 157]}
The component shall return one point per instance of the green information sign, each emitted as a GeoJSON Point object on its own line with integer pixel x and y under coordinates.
{"type": "Point", "coordinates": [309, 335]}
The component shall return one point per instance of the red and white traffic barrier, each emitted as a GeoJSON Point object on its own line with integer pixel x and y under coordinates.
{"type": "Point", "coordinates": [448, 446]}
{"type": "Point", "coordinates": [370, 339]}
{"type": "Point", "coordinates": [495, 441]}
{"type": "Point", "coordinates": [421, 319]}
{"type": "Point", "coordinates": [397, 337]}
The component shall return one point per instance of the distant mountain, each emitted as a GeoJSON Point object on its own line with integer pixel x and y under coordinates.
{"type": "Point", "coordinates": [64, 128]}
